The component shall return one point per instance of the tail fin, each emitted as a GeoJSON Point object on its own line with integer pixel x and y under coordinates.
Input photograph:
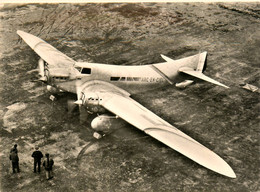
{"type": "Point", "coordinates": [198, 72]}
{"type": "Point", "coordinates": [202, 61]}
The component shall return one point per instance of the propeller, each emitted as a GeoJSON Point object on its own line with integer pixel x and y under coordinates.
{"type": "Point", "coordinates": [80, 95]}
{"type": "Point", "coordinates": [71, 106]}
{"type": "Point", "coordinates": [42, 70]}
{"type": "Point", "coordinates": [83, 112]}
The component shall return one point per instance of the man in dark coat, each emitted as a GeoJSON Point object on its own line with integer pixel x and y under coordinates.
{"type": "Point", "coordinates": [14, 149]}
{"type": "Point", "coordinates": [15, 161]}
{"type": "Point", "coordinates": [37, 155]}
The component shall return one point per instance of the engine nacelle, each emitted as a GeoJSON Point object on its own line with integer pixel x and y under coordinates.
{"type": "Point", "coordinates": [106, 123]}
{"type": "Point", "coordinates": [184, 84]}
{"type": "Point", "coordinates": [43, 70]}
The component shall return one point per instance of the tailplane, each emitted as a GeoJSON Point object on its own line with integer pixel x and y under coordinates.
{"type": "Point", "coordinates": [198, 73]}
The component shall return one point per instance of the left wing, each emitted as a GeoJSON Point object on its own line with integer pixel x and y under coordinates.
{"type": "Point", "coordinates": [48, 53]}
{"type": "Point", "coordinates": [140, 117]}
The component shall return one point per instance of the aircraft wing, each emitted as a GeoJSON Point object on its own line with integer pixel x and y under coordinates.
{"type": "Point", "coordinates": [47, 52]}
{"type": "Point", "coordinates": [140, 117]}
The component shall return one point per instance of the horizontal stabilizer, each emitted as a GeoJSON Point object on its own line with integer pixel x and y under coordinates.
{"type": "Point", "coordinates": [192, 150]}
{"type": "Point", "coordinates": [200, 75]}
{"type": "Point", "coordinates": [166, 58]}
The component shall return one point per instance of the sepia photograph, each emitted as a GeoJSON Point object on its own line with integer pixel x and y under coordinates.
{"type": "Point", "coordinates": [129, 96]}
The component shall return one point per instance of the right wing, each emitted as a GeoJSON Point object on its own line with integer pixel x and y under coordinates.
{"type": "Point", "coordinates": [48, 53]}
{"type": "Point", "coordinates": [128, 109]}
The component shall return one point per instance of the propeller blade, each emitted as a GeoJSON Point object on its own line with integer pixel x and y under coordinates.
{"type": "Point", "coordinates": [41, 67]}
{"type": "Point", "coordinates": [78, 90]}
{"type": "Point", "coordinates": [41, 70]}
{"type": "Point", "coordinates": [83, 114]}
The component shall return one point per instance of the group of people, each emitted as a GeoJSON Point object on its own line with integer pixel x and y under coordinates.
{"type": "Point", "coordinates": [37, 156]}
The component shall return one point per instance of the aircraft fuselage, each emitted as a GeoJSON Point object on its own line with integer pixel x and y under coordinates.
{"type": "Point", "coordinates": [133, 79]}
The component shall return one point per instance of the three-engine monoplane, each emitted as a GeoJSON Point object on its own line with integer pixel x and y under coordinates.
{"type": "Point", "coordinates": [102, 88]}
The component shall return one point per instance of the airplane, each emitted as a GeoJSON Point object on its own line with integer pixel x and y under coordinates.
{"type": "Point", "coordinates": [106, 89]}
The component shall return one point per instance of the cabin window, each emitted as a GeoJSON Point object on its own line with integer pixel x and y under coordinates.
{"type": "Point", "coordinates": [114, 78]}
{"type": "Point", "coordinates": [122, 79]}
{"type": "Point", "coordinates": [86, 71]}
{"type": "Point", "coordinates": [130, 79]}
{"type": "Point", "coordinates": [136, 78]}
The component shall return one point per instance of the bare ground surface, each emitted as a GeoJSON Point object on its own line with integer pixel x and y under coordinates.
{"type": "Point", "coordinates": [224, 120]}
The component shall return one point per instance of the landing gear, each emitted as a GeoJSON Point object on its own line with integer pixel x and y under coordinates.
{"type": "Point", "coordinates": [52, 98]}
{"type": "Point", "coordinates": [98, 135]}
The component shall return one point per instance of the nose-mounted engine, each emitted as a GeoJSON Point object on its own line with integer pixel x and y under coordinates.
{"type": "Point", "coordinates": [91, 102]}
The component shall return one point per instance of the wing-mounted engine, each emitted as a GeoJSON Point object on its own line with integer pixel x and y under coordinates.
{"type": "Point", "coordinates": [107, 123]}
{"type": "Point", "coordinates": [57, 79]}
{"type": "Point", "coordinates": [47, 75]}
{"type": "Point", "coordinates": [43, 70]}
{"type": "Point", "coordinates": [91, 96]}
{"type": "Point", "coordinates": [54, 67]}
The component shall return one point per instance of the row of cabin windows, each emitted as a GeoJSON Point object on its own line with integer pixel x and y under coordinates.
{"type": "Point", "coordinates": [94, 99]}
{"type": "Point", "coordinates": [63, 78]}
{"type": "Point", "coordinates": [125, 78]}
{"type": "Point", "coordinates": [60, 78]}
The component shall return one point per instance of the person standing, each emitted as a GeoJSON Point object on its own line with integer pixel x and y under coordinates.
{"type": "Point", "coordinates": [15, 161]}
{"type": "Point", "coordinates": [14, 149]}
{"type": "Point", "coordinates": [48, 163]}
{"type": "Point", "coordinates": [37, 156]}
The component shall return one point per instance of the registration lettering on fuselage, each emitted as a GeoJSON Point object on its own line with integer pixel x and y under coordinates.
{"type": "Point", "coordinates": [142, 79]}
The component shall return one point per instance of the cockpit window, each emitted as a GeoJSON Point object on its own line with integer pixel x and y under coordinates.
{"type": "Point", "coordinates": [86, 71]}
{"type": "Point", "coordinates": [78, 68]}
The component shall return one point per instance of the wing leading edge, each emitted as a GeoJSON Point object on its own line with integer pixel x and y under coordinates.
{"type": "Point", "coordinates": [47, 52]}
{"type": "Point", "coordinates": [140, 117]}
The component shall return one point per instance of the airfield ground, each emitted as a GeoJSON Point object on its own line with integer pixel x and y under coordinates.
{"type": "Point", "coordinates": [224, 120]}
